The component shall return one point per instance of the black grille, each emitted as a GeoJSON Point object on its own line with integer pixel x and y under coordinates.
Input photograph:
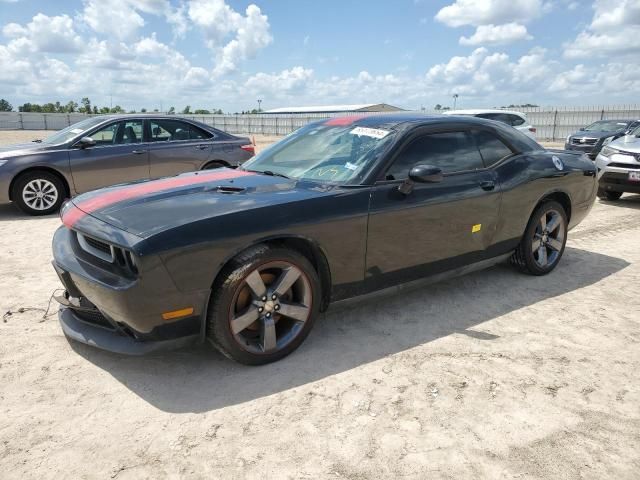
{"type": "Point", "coordinates": [630, 166]}
{"type": "Point", "coordinates": [94, 317]}
{"type": "Point", "coordinates": [587, 141]}
{"type": "Point", "coordinates": [98, 245]}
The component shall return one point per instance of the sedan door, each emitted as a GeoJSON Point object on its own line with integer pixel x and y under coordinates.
{"type": "Point", "coordinates": [118, 156]}
{"type": "Point", "coordinates": [176, 147]}
{"type": "Point", "coordinates": [437, 226]}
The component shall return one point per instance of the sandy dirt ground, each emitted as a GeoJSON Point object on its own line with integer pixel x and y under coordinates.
{"type": "Point", "coordinates": [491, 375]}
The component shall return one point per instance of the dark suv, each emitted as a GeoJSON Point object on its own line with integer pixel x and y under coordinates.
{"type": "Point", "coordinates": [591, 139]}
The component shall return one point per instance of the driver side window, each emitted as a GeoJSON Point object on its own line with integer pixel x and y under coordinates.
{"type": "Point", "coordinates": [119, 133]}
{"type": "Point", "coordinates": [451, 151]}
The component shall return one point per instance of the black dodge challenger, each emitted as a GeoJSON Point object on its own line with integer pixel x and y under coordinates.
{"type": "Point", "coordinates": [247, 258]}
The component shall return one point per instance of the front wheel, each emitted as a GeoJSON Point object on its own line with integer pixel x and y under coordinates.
{"type": "Point", "coordinates": [608, 195]}
{"type": "Point", "coordinates": [544, 240]}
{"type": "Point", "coordinates": [38, 193]}
{"type": "Point", "coordinates": [263, 305]}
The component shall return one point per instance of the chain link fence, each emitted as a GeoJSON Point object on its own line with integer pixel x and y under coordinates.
{"type": "Point", "coordinates": [552, 123]}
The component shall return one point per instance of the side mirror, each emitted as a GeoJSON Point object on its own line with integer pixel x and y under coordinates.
{"type": "Point", "coordinates": [86, 142]}
{"type": "Point", "coordinates": [420, 174]}
{"type": "Point", "coordinates": [582, 129]}
{"type": "Point", "coordinates": [426, 174]}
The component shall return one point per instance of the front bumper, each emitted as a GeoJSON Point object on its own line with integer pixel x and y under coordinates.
{"type": "Point", "coordinates": [122, 315]}
{"type": "Point", "coordinates": [591, 150]}
{"type": "Point", "coordinates": [613, 173]}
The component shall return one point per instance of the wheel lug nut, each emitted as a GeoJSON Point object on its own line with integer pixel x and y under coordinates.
{"type": "Point", "coordinates": [274, 296]}
{"type": "Point", "coordinates": [268, 314]}
{"type": "Point", "coordinates": [264, 298]}
{"type": "Point", "coordinates": [277, 307]}
{"type": "Point", "coordinates": [260, 309]}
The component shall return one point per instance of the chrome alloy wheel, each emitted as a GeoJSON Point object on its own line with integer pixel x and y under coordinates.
{"type": "Point", "coordinates": [548, 239]}
{"type": "Point", "coordinates": [40, 194]}
{"type": "Point", "coordinates": [270, 307]}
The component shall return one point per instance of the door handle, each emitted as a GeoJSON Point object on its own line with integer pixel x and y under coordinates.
{"type": "Point", "coordinates": [202, 147]}
{"type": "Point", "coordinates": [138, 152]}
{"type": "Point", "coordinates": [488, 185]}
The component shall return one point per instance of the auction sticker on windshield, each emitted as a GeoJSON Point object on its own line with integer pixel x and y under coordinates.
{"type": "Point", "coordinates": [370, 132]}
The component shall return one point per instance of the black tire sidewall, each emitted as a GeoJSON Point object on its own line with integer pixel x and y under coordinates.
{"type": "Point", "coordinates": [527, 253]}
{"type": "Point", "coordinates": [24, 179]}
{"type": "Point", "coordinates": [231, 278]}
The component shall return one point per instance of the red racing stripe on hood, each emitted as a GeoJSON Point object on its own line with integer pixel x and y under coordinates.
{"type": "Point", "coordinates": [72, 214]}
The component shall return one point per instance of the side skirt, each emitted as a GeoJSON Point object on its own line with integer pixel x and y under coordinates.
{"type": "Point", "coordinates": [438, 277]}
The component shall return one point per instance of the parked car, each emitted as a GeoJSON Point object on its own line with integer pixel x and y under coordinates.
{"type": "Point", "coordinates": [592, 138]}
{"type": "Point", "coordinates": [247, 258]}
{"type": "Point", "coordinates": [107, 150]}
{"type": "Point", "coordinates": [618, 165]}
{"type": "Point", "coordinates": [517, 120]}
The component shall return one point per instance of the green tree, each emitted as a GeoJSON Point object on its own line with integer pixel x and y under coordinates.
{"type": "Point", "coordinates": [117, 109]}
{"type": "Point", "coordinates": [5, 106]}
{"type": "Point", "coordinates": [104, 110]}
{"type": "Point", "coordinates": [143, 110]}
{"type": "Point", "coordinates": [48, 108]}
{"type": "Point", "coordinates": [95, 110]}
{"type": "Point", "coordinates": [438, 107]}
{"type": "Point", "coordinates": [71, 107]}
{"type": "Point", "coordinates": [202, 112]}
{"type": "Point", "coordinates": [187, 110]}
{"type": "Point", "coordinates": [171, 111]}
{"type": "Point", "coordinates": [86, 105]}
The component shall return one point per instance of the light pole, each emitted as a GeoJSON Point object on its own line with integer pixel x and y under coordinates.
{"type": "Point", "coordinates": [259, 103]}
{"type": "Point", "coordinates": [455, 100]}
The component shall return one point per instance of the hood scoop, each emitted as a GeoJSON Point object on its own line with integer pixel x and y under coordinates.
{"type": "Point", "coordinates": [229, 189]}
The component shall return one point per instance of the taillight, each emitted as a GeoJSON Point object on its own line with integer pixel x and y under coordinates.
{"type": "Point", "coordinates": [532, 129]}
{"type": "Point", "coordinates": [249, 148]}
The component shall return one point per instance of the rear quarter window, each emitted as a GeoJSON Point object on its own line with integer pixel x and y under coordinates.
{"type": "Point", "coordinates": [491, 147]}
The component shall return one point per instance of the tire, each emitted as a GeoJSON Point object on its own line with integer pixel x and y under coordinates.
{"type": "Point", "coordinates": [213, 165]}
{"type": "Point", "coordinates": [250, 330]}
{"type": "Point", "coordinates": [608, 195]}
{"type": "Point", "coordinates": [38, 193]}
{"type": "Point", "coordinates": [538, 252]}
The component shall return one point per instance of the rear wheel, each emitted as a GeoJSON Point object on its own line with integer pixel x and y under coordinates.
{"type": "Point", "coordinates": [608, 195]}
{"type": "Point", "coordinates": [38, 193]}
{"type": "Point", "coordinates": [263, 305]}
{"type": "Point", "coordinates": [544, 240]}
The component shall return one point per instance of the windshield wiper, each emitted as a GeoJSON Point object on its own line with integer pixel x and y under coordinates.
{"type": "Point", "coordinates": [270, 173]}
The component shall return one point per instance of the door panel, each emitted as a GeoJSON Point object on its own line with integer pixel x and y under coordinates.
{"type": "Point", "coordinates": [177, 147]}
{"type": "Point", "coordinates": [436, 227]}
{"type": "Point", "coordinates": [119, 156]}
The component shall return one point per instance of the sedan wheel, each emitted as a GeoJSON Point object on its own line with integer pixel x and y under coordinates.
{"type": "Point", "coordinates": [38, 193]}
{"type": "Point", "coordinates": [265, 306]}
{"type": "Point", "coordinates": [544, 240]}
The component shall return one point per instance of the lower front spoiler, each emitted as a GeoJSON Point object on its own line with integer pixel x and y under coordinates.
{"type": "Point", "coordinates": [113, 341]}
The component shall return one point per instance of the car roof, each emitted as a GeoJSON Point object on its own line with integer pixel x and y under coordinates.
{"type": "Point", "coordinates": [478, 111]}
{"type": "Point", "coordinates": [396, 119]}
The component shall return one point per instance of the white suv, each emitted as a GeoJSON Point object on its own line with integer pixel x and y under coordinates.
{"type": "Point", "coordinates": [517, 120]}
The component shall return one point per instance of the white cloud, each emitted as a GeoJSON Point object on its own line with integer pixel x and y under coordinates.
{"type": "Point", "coordinates": [218, 21]}
{"type": "Point", "coordinates": [485, 12]}
{"type": "Point", "coordinates": [613, 31]}
{"type": "Point", "coordinates": [43, 34]}
{"type": "Point", "coordinates": [497, 35]}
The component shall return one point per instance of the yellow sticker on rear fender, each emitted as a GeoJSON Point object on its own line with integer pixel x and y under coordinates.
{"type": "Point", "coordinates": [476, 228]}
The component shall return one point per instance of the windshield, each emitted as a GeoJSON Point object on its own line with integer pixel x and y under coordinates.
{"type": "Point", "coordinates": [66, 134]}
{"type": "Point", "coordinates": [323, 153]}
{"type": "Point", "coordinates": [606, 126]}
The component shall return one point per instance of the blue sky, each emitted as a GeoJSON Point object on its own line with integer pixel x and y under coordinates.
{"type": "Point", "coordinates": [412, 53]}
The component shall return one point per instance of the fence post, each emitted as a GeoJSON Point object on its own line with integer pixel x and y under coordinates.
{"type": "Point", "coordinates": [44, 117]}
{"type": "Point", "coordinates": [555, 122]}
{"type": "Point", "coordinates": [20, 121]}
{"type": "Point", "coordinates": [68, 120]}
{"type": "Point", "coordinates": [602, 114]}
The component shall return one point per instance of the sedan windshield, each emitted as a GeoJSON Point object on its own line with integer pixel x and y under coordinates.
{"type": "Point", "coordinates": [323, 153]}
{"type": "Point", "coordinates": [66, 134]}
{"type": "Point", "coordinates": [606, 126]}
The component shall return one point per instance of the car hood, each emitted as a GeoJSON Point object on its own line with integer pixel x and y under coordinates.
{"type": "Point", "coordinates": [147, 208]}
{"type": "Point", "coordinates": [628, 143]}
{"type": "Point", "coordinates": [595, 134]}
{"type": "Point", "coordinates": [7, 151]}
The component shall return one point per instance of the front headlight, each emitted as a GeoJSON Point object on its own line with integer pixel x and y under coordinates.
{"type": "Point", "coordinates": [608, 151]}
{"type": "Point", "coordinates": [608, 140]}
{"type": "Point", "coordinates": [2, 162]}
